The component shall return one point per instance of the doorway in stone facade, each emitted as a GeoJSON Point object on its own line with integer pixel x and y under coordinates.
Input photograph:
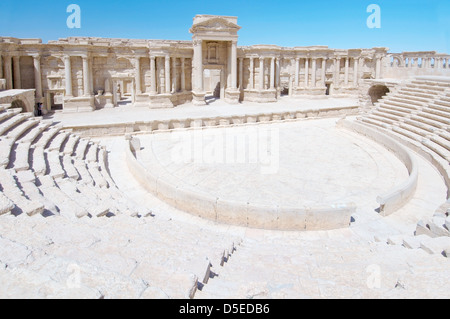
{"type": "Point", "coordinates": [214, 83]}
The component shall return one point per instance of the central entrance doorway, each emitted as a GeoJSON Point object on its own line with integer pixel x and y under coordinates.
{"type": "Point", "coordinates": [214, 81]}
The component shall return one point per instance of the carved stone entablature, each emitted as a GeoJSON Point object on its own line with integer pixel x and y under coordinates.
{"type": "Point", "coordinates": [207, 27]}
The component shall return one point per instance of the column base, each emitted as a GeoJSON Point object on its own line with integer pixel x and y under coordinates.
{"type": "Point", "coordinates": [78, 104]}
{"type": "Point", "coordinates": [198, 98]}
{"type": "Point", "coordinates": [232, 96]}
{"type": "Point", "coordinates": [265, 96]}
{"type": "Point", "coordinates": [311, 92]}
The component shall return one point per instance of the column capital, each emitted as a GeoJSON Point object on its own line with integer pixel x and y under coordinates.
{"type": "Point", "coordinates": [197, 42]}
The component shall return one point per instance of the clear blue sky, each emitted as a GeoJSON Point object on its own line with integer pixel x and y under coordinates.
{"type": "Point", "coordinates": [406, 25]}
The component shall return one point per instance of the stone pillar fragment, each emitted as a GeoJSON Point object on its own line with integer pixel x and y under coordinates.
{"type": "Point", "coordinates": [183, 74]}
{"type": "Point", "coordinates": [86, 77]}
{"type": "Point", "coordinates": [37, 76]}
{"type": "Point", "coordinates": [17, 80]}
{"type": "Point", "coordinates": [137, 77]}
{"type": "Point", "coordinates": [68, 73]}
{"type": "Point", "coordinates": [167, 73]}
{"type": "Point", "coordinates": [272, 73]}
{"type": "Point", "coordinates": [252, 73]}
{"type": "Point", "coordinates": [233, 65]}
{"type": "Point", "coordinates": [306, 72]}
{"type": "Point", "coordinates": [152, 75]}
{"type": "Point", "coordinates": [261, 73]}
{"type": "Point", "coordinates": [313, 72]}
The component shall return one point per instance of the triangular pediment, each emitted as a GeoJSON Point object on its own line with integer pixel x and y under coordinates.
{"type": "Point", "coordinates": [215, 24]}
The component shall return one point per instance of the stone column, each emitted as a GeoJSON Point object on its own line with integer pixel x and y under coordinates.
{"type": "Point", "coordinates": [233, 64]}
{"type": "Point", "coordinates": [337, 71]}
{"type": "Point", "coordinates": [8, 73]}
{"type": "Point", "coordinates": [68, 71]}
{"type": "Point", "coordinates": [272, 73]}
{"type": "Point", "coordinates": [1, 66]}
{"type": "Point", "coordinates": [297, 71]}
{"type": "Point", "coordinates": [252, 74]}
{"type": "Point", "coordinates": [37, 76]}
{"type": "Point", "coordinates": [261, 73]}
{"type": "Point", "coordinates": [378, 68]}
{"type": "Point", "coordinates": [183, 75]}
{"type": "Point", "coordinates": [324, 71]}
{"type": "Point", "coordinates": [241, 73]}
{"type": "Point", "coordinates": [198, 66]}
{"type": "Point", "coordinates": [306, 72]}
{"type": "Point", "coordinates": [91, 73]}
{"type": "Point", "coordinates": [278, 73]}
{"type": "Point", "coordinates": [86, 77]}
{"type": "Point", "coordinates": [137, 76]}
{"type": "Point", "coordinates": [152, 75]}
{"type": "Point", "coordinates": [174, 75]}
{"type": "Point", "coordinates": [355, 73]}
{"type": "Point", "coordinates": [167, 73]}
{"type": "Point", "coordinates": [16, 65]}
{"type": "Point", "coordinates": [313, 72]}
{"type": "Point", "coordinates": [346, 70]}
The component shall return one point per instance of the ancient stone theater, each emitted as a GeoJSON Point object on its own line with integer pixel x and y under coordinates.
{"type": "Point", "coordinates": [205, 169]}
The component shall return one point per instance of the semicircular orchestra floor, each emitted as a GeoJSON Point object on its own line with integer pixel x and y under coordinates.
{"type": "Point", "coordinates": [306, 163]}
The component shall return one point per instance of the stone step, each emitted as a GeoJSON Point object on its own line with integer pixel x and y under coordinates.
{"type": "Point", "coordinates": [94, 171]}
{"type": "Point", "coordinates": [38, 162]}
{"type": "Point", "coordinates": [421, 125]}
{"type": "Point", "coordinates": [56, 169]}
{"type": "Point", "coordinates": [378, 123]}
{"type": "Point", "coordinates": [436, 246]}
{"type": "Point", "coordinates": [434, 117]}
{"type": "Point", "coordinates": [5, 115]}
{"type": "Point", "coordinates": [47, 136]}
{"type": "Point", "coordinates": [33, 134]}
{"type": "Point", "coordinates": [431, 83]}
{"type": "Point", "coordinates": [426, 87]}
{"type": "Point", "coordinates": [85, 200]}
{"type": "Point", "coordinates": [415, 130]}
{"type": "Point", "coordinates": [393, 118]}
{"type": "Point", "coordinates": [383, 118]}
{"type": "Point", "coordinates": [438, 149]}
{"type": "Point", "coordinates": [440, 108]}
{"type": "Point", "coordinates": [80, 151]}
{"type": "Point", "coordinates": [397, 108]}
{"type": "Point", "coordinates": [5, 152]}
{"type": "Point", "coordinates": [6, 205]}
{"type": "Point", "coordinates": [445, 135]}
{"type": "Point", "coordinates": [399, 114]}
{"type": "Point", "coordinates": [412, 97]}
{"type": "Point", "coordinates": [70, 169]}
{"type": "Point", "coordinates": [69, 147]}
{"type": "Point", "coordinates": [441, 141]}
{"type": "Point", "coordinates": [428, 121]}
{"type": "Point", "coordinates": [21, 162]}
{"type": "Point", "coordinates": [13, 122]}
{"type": "Point", "coordinates": [85, 177]}
{"type": "Point", "coordinates": [91, 154]}
{"type": "Point", "coordinates": [13, 192]}
{"type": "Point", "coordinates": [443, 102]}
{"type": "Point", "coordinates": [406, 103]}
{"type": "Point", "coordinates": [66, 205]}
{"type": "Point", "coordinates": [27, 182]}
{"type": "Point", "coordinates": [56, 144]}
{"type": "Point", "coordinates": [417, 93]}
{"type": "Point", "coordinates": [441, 114]}
{"type": "Point", "coordinates": [413, 242]}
